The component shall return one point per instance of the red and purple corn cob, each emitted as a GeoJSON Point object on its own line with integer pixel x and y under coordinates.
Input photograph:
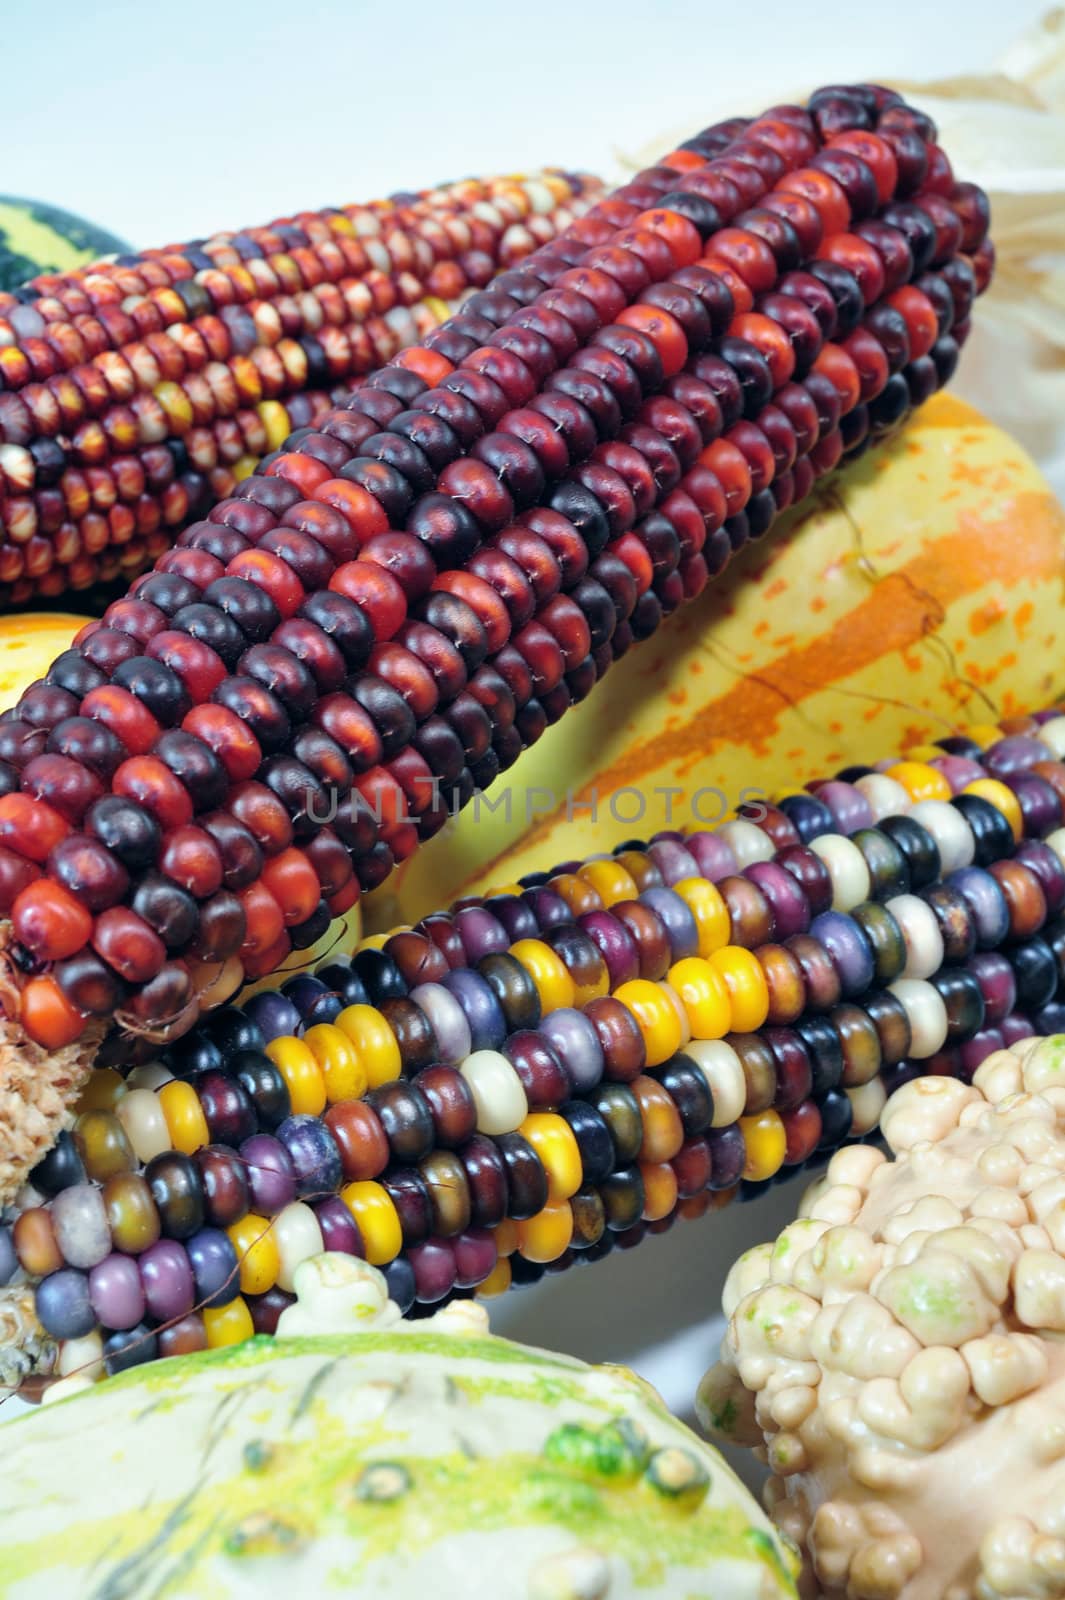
{"type": "Point", "coordinates": [406, 596]}
{"type": "Point", "coordinates": [135, 393]}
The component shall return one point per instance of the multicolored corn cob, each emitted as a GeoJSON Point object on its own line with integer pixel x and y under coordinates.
{"type": "Point", "coordinates": [165, 836]}
{"type": "Point", "coordinates": [134, 393]}
{"type": "Point", "coordinates": [547, 1073]}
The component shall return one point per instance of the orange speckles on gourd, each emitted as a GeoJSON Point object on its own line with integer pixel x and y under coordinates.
{"type": "Point", "coordinates": [882, 600]}
{"type": "Point", "coordinates": [987, 615]}
{"type": "Point", "coordinates": [677, 697]}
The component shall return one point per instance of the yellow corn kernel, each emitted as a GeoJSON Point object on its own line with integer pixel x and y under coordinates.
{"type": "Point", "coordinates": [547, 971]}
{"type": "Point", "coordinates": [703, 899]}
{"type": "Point", "coordinates": [610, 881]}
{"type": "Point", "coordinates": [185, 1120]}
{"type": "Point", "coordinates": [229, 1324]}
{"type": "Point", "coordinates": [655, 1016]}
{"type": "Point", "coordinates": [553, 1140]}
{"type": "Point", "coordinates": [704, 995]}
{"type": "Point", "coordinates": [253, 1240]}
{"type": "Point", "coordinates": [275, 419]}
{"type": "Point", "coordinates": [745, 981]}
{"type": "Point", "coordinates": [506, 1236]}
{"type": "Point", "coordinates": [376, 1218]}
{"type": "Point", "coordinates": [374, 1041]}
{"type": "Point", "coordinates": [306, 1083]}
{"type": "Point", "coordinates": [660, 1189]}
{"type": "Point", "coordinates": [766, 1143]}
{"type": "Point", "coordinates": [103, 1090]}
{"type": "Point", "coordinates": [497, 1281]}
{"type": "Point", "coordinates": [920, 781]}
{"type": "Point", "coordinates": [548, 1234]}
{"type": "Point", "coordinates": [344, 1073]}
{"type": "Point", "coordinates": [1003, 799]}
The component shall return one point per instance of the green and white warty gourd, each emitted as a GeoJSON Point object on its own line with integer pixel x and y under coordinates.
{"type": "Point", "coordinates": [356, 1455]}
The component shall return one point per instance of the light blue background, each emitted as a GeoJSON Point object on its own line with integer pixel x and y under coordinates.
{"type": "Point", "coordinates": [165, 121]}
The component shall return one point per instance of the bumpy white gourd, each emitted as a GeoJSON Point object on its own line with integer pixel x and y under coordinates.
{"type": "Point", "coordinates": [898, 1354]}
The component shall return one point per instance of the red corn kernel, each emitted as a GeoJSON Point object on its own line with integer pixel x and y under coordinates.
{"type": "Point", "coordinates": [30, 828]}
{"type": "Point", "coordinates": [827, 195]}
{"type": "Point", "coordinates": [490, 609]}
{"type": "Point", "coordinates": [868, 356]}
{"type": "Point", "coordinates": [801, 213]}
{"type": "Point", "coordinates": [344, 898]}
{"type": "Point", "coordinates": [836, 365]}
{"type": "Point", "coordinates": [749, 255]}
{"type": "Point", "coordinates": [789, 139]}
{"type": "Point", "coordinates": [428, 364]}
{"type": "Point", "coordinates": [265, 920]}
{"type": "Point", "coordinates": [403, 841]}
{"type": "Point", "coordinates": [192, 859]}
{"type": "Point", "coordinates": [877, 155]}
{"type": "Point", "coordinates": [65, 785]}
{"type": "Point", "coordinates": [385, 798]}
{"type": "Point", "coordinates": [126, 716]}
{"type": "Point", "coordinates": [47, 1016]}
{"type": "Point", "coordinates": [148, 781]}
{"type": "Point", "coordinates": [742, 295]}
{"type": "Point", "coordinates": [375, 589]}
{"type": "Point", "coordinates": [756, 451]}
{"type": "Point", "coordinates": [920, 315]}
{"type": "Point", "coordinates": [860, 258]}
{"type": "Point", "coordinates": [50, 921]}
{"type": "Point", "coordinates": [330, 861]}
{"type": "Point", "coordinates": [231, 739]}
{"type": "Point", "coordinates": [631, 549]}
{"type": "Point", "coordinates": [264, 816]}
{"type": "Point", "coordinates": [729, 466]}
{"type": "Point", "coordinates": [566, 622]}
{"type": "Point", "coordinates": [664, 332]}
{"type": "Point", "coordinates": [263, 962]}
{"type": "Point", "coordinates": [598, 287]}
{"type": "Point", "coordinates": [771, 339]}
{"type": "Point", "coordinates": [681, 235]}
{"type": "Point", "coordinates": [16, 874]}
{"type": "Point", "coordinates": [364, 515]}
{"type": "Point", "coordinates": [939, 178]}
{"type": "Point", "coordinates": [826, 453]}
{"type": "Point", "coordinates": [474, 485]}
{"type": "Point", "coordinates": [682, 160]}
{"type": "Point", "coordinates": [305, 472]}
{"type": "Point", "coordinates": [401, 669]}
{"type": "Point", "coordinates": [352, 727]}
{"type": "Point", "coordinates": [680, 509]}
{"type": "Point", "coordinates": [200, 668]}
{"type": "Point", "coordinates": [293, 882]}
{"type": "Point", "coordinates": [271, 573]}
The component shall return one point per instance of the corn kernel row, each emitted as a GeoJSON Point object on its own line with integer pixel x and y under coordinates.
{"type": "Point", "coordinates": [179, 361]}
{"type": "Point", "coordinates": [368, 743]}
{"type": "Point", "coordinates": [498, 1118]}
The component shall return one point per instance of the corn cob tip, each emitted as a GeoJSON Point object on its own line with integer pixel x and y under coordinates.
{"type": "Point", "coordinates": [27, 1353]}
{"type": "Point", "coordinates": [38, 1087]}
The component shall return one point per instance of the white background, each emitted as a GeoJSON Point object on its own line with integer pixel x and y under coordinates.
{"type": "Point", "coordinates": [166, 122]}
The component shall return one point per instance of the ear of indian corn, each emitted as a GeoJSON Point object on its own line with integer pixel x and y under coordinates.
{"type": "Point", "coordinates": [405, 598]}
{"type": "Point", "coordinates": [553, 1071]}
{"type": "Point", "coordinates": [135, 392]}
